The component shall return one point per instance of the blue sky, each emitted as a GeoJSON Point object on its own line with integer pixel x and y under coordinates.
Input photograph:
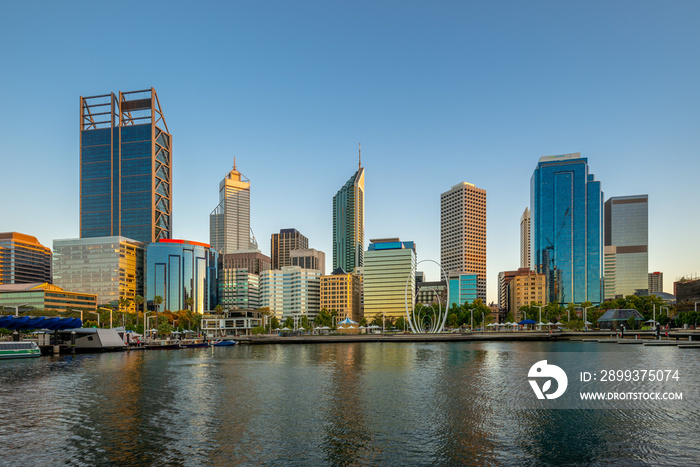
{"type": "Point", "coordinates": [436, 92]}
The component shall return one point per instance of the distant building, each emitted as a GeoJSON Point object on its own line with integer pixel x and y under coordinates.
{"type": "Point", "coordinates": [180, 270]}
{"type": "Point", "coordinates": [655, 282]}
{"type": "Point", "coordinates": [44, 296]}
{"type": "Point", "coordinates": [308, 258]}
{"type": "Point", "coordinates": [229, 223]}
{"type": "Point", "coordinates": [251, 260]}
{"type": "Point", "coordinates": [108, 267]}
{"type": "Point", "coordinates": [349, 223]}
{"type": "Point", "coordinates": [340, 291]}
{"type": "Point", "coordinates": [463, 232]}
{"type": "Point", "coordinates": [566, 209]}
{"type": "Point", "coordinates": [525, 288]}
{"type": "Point", "coordinates": [291, 291]}
{"type": "Point", "coordinates": [430, 293]}
{"type": "Point", "coordinates": [504, 278]}
{"type": "Point", "coordinates": [389, 266]}
{"type": "Point", "coordinates": [231, 323]}
{"type": "Point", "coordinates": [125, 167]}
{"type": "Point", "coordinates": [462, 289]}
{"type": "Point", "coordinates": [238, 289]}
{"type": "Point", "coordinates": [687, 290]}
{"type": "Point", "coordinates": [525, 239]}
{"type": "Point", "coordinates": [23, 259]}
{"type": "Point", "coordinates": [284, 242]}
{"type": "Point", "coordinates": [626, 260]}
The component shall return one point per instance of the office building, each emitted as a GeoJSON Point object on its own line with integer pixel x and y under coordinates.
{"type": "Point", "coordinates": [525, 288]}
{"type": "Point", "coordinates": [45, 296]}
{"type": "Point", "coordinates": [183, 273]}
{"type": "Point", "coordinates": [308, 258]}
{"type": "Point", "coordinates": [566, 215]}
{"type": "Point", "coordinates": [463, 232]}
{"type": "Point", "coordinates": [238, 289]}
{"type": "Point", "coordinates": [108, 267]}
{"type": "Point", "coordinates": [626, 240]}
{"type": "Point", "coordinates": [687, 290]}
{"type": "Point", "coordinates": [389, 278]}
{"type": "Point", "coordinates": [291, 291]}
{"type": "Point", "coordinates": [23, 259]}
{"type": "Point", "coordinates": [125, 167]}
{"type": "Point", "coordinates": [229, 223]}
{"type": "Point", "coordinates": [284, 242]}
{"type": "Point", "coordinates": [340, 291]}
{"type": "Point", "coordinates": [525, 239]}
{"type": "Point", "coordinates": [252, 261]}
{"type": "Point", "coordinates": [431, 292]}
{"type": "Point", "coordinates": [504, 278]}
{"type": "Point", "coordinates": [349, 223]}
{"type": "Point", "coordinates": [462, 288]}
{"type": "Point", "coordinates": [656, 282]}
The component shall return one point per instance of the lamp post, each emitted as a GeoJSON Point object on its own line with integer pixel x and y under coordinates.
{"type": "Point", "coordinates": [696, 307]}
{"type": "Point", "coordinates": [383, 320]}
{"type": "Point", "coordinates": [145, 327]}
{"type": "Point", "coordinates": [110, 315]}
{"type": "Point", "coordinates": [17, 308]}
{"type": "Point", "coordinates": [585, 316]}
{"type": "Point", "coordinates": [540, 307]}
{"type": "Point", "coordinates": [98, 317]}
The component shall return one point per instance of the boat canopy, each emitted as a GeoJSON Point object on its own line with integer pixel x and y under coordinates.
{"type": "Point", "coordinates": [51, 323]}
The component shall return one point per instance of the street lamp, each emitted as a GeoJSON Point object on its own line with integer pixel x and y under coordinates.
{"type": "Point", "coordinates": [17, 308]}
{"type": "Point", "coordinates": [98, 317]}
{"type": "Point", "coordinates": [540, 307]}
{"type": "Point", "coordinates": [585, 316]}
{"type": "Point", "coordinates": [110, 316]}
{"type": "Point", "coordinates": [144, 321]}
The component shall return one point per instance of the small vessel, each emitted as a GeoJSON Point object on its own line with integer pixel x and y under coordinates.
{"type": "Point", "coordinates": [223, 343]}
{"type": "Point", "coordinates": [19, 350]}
{"type": "Point", "coordinates": [163, 344]}
{"type": "Point", "coordinates": [193, 343]}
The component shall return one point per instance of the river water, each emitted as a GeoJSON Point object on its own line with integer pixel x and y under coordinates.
{"type": "Point", "coordinates": [330, 404]}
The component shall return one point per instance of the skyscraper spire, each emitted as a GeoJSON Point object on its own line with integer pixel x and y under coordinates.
{"type": "Point", "coordinates": [234, 163]}
{"type": "Point", "coordinates": [359, 165]}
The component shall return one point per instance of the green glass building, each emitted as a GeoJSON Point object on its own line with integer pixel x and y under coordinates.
{"type": "Point", "coordinates": [349, 223]}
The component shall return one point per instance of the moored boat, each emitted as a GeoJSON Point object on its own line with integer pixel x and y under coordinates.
{"type": "Point", "coordinates": [224, 343]}
{"type": "Point", "coordinates": [19, 350]}
{"type": "Point", "coordinates": [162, 344]}
{"type": "Point", "coordinates": [193, 343]}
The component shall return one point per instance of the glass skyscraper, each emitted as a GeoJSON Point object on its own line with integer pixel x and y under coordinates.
{"type": "Point", "coordinates": [125, 167]}
{"type": "Point", "coordinates": [566, 209]}
{"type": "Point", "coordinates": [349, 223]}
{"type": "Point", "coordinates": [178, 270]}
{"type": "Point", "coordinates": [626, 245]}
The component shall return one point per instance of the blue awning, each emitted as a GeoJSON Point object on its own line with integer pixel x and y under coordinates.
{"type": "Point", "coordinates": [25, 323]}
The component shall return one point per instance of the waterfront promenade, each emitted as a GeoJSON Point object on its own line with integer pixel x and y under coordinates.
{"type": "Point", "coordinates": [512, 336]}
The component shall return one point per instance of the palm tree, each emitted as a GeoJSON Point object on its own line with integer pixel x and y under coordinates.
{"type": "Point", "coordinates": [157, 300]}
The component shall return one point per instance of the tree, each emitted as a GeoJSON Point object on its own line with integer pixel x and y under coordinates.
{"type": "Point", "coordinates": [400, 323]}
{"type": "Point", "coordinates": [157, 300]}
{"type": "Point", "coordinates": [288, 323]}
{"type": "Point", "coordinates": [377, 320]}
{"type": "Point", "coordinates": [631, 322]}
{"type": "Point", "coordinates": [219, 309]}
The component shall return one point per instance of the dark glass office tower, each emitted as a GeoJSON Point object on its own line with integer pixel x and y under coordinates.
{"type": "Point", "coordinates": [566, 208]}
{"type": "Point", "coordinates": [349, 223]}
{"type": "Point", "coordinates": [125, 167]}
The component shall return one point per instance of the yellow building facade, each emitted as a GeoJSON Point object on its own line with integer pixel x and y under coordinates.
{"type": "Point", "coordinates": [341, 292]}
{"type": "Point", "coordinates": [525, 289]}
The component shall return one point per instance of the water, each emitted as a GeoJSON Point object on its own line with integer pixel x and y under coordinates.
{"type": "Point", "coordinates": [359, 404]}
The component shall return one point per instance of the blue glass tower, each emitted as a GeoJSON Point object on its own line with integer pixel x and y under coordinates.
{"type": "Point", "coordinates": [125, 167]}
{"type": "Point", "coordinates": [566, 204]}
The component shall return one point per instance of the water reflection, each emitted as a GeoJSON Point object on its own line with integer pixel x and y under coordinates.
{"type": "Point", "coordinates": [340, 404]}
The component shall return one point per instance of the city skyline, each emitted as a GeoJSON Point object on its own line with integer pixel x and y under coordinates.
{"type": "Point", "coordinates": [436, 95]}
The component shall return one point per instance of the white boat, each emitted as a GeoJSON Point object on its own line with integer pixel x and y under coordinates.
{"type": "Point", "coordinates": [25, 349]}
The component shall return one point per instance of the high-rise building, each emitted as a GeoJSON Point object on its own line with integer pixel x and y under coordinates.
{"type": "Point", "coordinates": [239, 289]}
{"type": "Point", "coordinates": [349, 223]}
{"type": "Point", "coordinates": [504, 278]}
{"type": "Point", "coordinates": [566, 209]}
{"type": "Point", "coordinates": [656, 282]}
{"type": "Point", "coordinates": [291, 291]}
{"type": "Point", "coordinates": [626, 240]}
{"type": "Point", "coordinates": [229, 223]}
{"type": "Point", "coordinates": [308, 258]}
{"type": "Point", "coordinates": [340, 291]}
{"type": "Point", "coordinates": [284, 242]}
{"type": "Point", "coordinates": [125, 167]}
{"type": "Point", "coordinates": [525, 239]}
{"type": "Point", "coordinates": [463, 232]}
{"type": "Point", "coordinates": [429, 293]}
{"type": "Point", "coordinates": [23, 259]}
{"type": "Point", "coordinates": [390, 265]}
{"type": "Point", "coordinates": [108, 267]}
{"type": "Point", "coordinates": [180, 270]}
{"type": "Point", "coordinates": [252, 261]}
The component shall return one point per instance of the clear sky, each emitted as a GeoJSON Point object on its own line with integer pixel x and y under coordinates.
{"type": "Point", "coordinates": [437, 93]}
